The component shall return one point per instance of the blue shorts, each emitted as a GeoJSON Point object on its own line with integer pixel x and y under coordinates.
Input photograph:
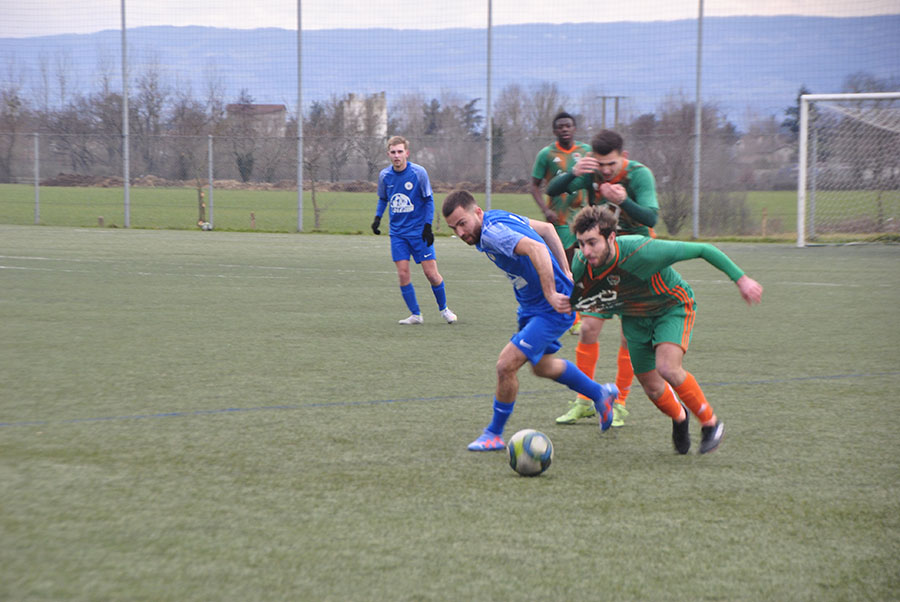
{"type": "Point", "coordinates": [539, 334]}
{"type": "Point", "coordinates": [404, 246]}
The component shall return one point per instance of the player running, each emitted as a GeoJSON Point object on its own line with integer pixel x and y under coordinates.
{"type": "Point", "coordinates": [533, 258]}
{"type": "Point", "coordinates": [404, 187]}
{"type": "Point", "coordinates": [631, 276]}
{"type": "Point", "coordinates": [607, 175]}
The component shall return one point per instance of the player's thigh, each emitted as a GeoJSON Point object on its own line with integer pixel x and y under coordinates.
{"type": "Point", "coordinates": [539, 335]}
{"type": "Point", "coordinates": [638, 333]}
{"type": "Point", "coordinates": [591, 325]}
{"type": "Point", "coordinates": [420, 250]}
{"type": "Point", "coordinates": [401, 250]}
{"type": "Point", "coordinates": [675, 326]}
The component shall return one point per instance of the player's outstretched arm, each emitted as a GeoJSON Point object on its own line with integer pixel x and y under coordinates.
{"type": "Point", "coordinates": [750, 289]}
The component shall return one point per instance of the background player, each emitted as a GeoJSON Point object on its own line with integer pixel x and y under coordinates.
{"type": "Point", "coordinates": [532, 256]}
{"type": "Point", "coordinates": [606, 175]}
{"type": "Point", "coordinates": [631, 276]}
{"type": "Point", "coordinates": [552, 160]}
{"type": "Point", "coordinates": [405, 188]}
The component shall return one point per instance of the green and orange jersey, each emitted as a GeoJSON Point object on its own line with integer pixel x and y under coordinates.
{"type": "Point", "coordinates": [553, 160]}
{"type": "Point", "coordinates": [638, 279]}
{"type": "Point", "coordinates": [639, 211]}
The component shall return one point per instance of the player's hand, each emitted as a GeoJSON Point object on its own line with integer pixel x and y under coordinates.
{"type": "Point", "coordinates": [585, 165]}
{"type": "Point", "coordinates": [560, 303]}
{"type": "Point", "coordinates": [751, 290]}
{"type": "Point", "coordinates": [551, 216]}
{"type": "Point", "coordinates": [614, 193]}
{"type": "Point", "coordinates": [375, 223]}
{"type": "Point", "coordinates": [427, 235]}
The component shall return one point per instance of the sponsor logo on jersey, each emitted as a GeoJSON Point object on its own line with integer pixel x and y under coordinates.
{"type": "Point", "coordinates": [400, 203]}
{"type": "Point", "coordinates": [597, 302]}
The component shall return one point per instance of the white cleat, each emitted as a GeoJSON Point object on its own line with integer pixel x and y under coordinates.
{"type": "Point", "coordinates": [413, 319]}
{"type": "Point", "coordinates": [448, 315]}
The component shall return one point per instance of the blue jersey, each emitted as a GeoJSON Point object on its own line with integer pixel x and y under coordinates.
{"type": "Point", "coordinates": [408, 195]}
{"type": "Point", "coordinates": [501, 231]}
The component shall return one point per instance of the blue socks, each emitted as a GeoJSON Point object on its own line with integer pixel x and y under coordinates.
{"type": "Point", "coordinates": [576, 380]}
{"type": "Point", "coordinates": [409, 295]}
{"type": "Point", "coordinates": [440, 296]}
{"type": "Point", "coordinates": [501, 415]}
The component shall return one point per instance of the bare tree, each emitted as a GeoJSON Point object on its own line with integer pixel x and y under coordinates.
{"type": "Point", "coordinates": [370, 133]}
{"type": "Point", "coordinates": [149, 104]}
{"type": "Point", "coordinates": [243, 143]}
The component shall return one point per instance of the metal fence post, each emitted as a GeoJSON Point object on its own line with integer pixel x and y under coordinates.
{"type": "Point", "coordinates": [209, 152]}
{"type": "Point", "coordinates": [37, 178]}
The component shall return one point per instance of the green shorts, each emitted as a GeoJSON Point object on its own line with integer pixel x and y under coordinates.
{"type": "Point", "coordinates": [644, 334]}
{"type": "Point", "coordinates": [595, 315]}
{"type": "Point", "coordinates": [565, 235]}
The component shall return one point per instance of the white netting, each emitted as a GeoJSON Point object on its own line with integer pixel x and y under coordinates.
{"type": "Point", "coordinates": [853, 167]}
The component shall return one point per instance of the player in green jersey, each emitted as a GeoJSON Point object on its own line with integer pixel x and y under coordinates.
{"type": "Point", "coordinates": [552, 160]}
{"type": "Point", "coordinates": [632, 276]}
{"type": "Point", "coordinates": [606, 175]}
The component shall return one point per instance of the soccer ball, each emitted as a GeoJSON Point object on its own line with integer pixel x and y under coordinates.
{"type": "Point", "coordinates": [206, 226]}
{"type": "Point", "coordinates": [530, 452]}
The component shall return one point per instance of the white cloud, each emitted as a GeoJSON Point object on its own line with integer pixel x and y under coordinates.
{"type": "Point", "coordinates": [50, 17]}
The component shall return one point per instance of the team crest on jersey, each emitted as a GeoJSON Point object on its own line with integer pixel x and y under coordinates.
{"type": "Point", "coordinates": [408, 185]}
{"type": "Point", "coordinates": [613, 279]}
{"type": "Point", "coordinates": [400, 203]}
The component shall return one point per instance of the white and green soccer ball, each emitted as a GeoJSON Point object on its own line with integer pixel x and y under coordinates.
{"type": "Point", "coordinates": [530, 452]}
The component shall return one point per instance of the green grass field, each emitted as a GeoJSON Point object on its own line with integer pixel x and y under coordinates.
{"type": "Point", "coordinates": [276, 210]}
{"type": "Point", "coordinates": [771, 215]}
{"type": "Point", "coordinates": [195, 415]}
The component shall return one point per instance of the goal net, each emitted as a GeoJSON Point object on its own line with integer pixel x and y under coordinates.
{"type": "Point", "coordinates": [848, 184]}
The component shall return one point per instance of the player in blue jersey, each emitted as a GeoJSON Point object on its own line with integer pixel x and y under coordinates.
{"type": "Point", "coordinates": [532, 255]}
{"type": "Point", "coordinates": [404, 189]}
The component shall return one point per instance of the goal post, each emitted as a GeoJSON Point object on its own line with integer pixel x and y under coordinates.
{"type": "Point", "coordinates": [848, 179]}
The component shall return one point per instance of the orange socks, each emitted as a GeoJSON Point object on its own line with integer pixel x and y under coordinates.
{"type": "Point", "coordinates": [669, 406]}
{"type": "Point", "coordinates": [624, 374]}
{"type": "Point", "coordinates": [586, 359]}
{"type": "Point", "coordinates": [692, 395]}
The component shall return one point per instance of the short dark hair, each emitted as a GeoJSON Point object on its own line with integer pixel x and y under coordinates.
{"type": "Point", "coordinates": [457, 198]}
{"type": "Point", "coordinates": [607, 141]}
{"type": "Point", "coordinates": [563, 115]}
{"type": "Point", "coordinates": [602, 217]}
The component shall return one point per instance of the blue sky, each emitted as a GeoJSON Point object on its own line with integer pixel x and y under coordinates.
{"type": "Point", "coordinates": [51, 17]}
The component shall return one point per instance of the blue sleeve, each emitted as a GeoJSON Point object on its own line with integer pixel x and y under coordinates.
{"type": "Point", "coordinates": [501, 238]}
{"type": "Point", "coordinates": [382, 200]}
{"type": "Point", "coordinates": [427, 195]}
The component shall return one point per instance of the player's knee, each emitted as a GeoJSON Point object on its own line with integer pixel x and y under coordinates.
{"type": "Point", "coordinates": [672, 373]}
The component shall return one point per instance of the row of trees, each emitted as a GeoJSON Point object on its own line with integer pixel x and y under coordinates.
{"type": "Point", "coordinates": [170, 126]}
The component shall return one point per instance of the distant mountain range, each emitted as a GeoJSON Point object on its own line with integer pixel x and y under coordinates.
{"type": "Point", "coordinates": [756, 63]}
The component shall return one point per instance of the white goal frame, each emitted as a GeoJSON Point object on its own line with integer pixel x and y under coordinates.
{"type": "Point", "coordinates": [803, 149]}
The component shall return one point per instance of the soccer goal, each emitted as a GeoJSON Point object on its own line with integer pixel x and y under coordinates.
{"type": "Point", "coordinates": [848, 181]}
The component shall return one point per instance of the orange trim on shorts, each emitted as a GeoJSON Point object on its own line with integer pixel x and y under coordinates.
{"type": "Point", "coordinates": [660, 288]}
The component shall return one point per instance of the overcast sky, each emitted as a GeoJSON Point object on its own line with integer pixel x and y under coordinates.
{"type": "Point", "coordinates": [50, 17]}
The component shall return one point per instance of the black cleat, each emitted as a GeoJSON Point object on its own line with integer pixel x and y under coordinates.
{"type": "Point", "coordinates": [712, 437]}
{"type": "Point", "coordinates": [681, 435]}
